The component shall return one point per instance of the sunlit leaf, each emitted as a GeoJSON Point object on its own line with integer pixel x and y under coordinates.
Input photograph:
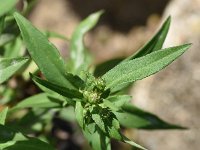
{"type": "Point", "coordinates": [155, 43]}
{"type": "Point", "coordinates": [77, 47]}
{"type": "Point", "coordinates": [44, 53]}
{"type": "Point", "coordinates": [142, 67]}
{"type": "Point", "coordinates": [128, 141]}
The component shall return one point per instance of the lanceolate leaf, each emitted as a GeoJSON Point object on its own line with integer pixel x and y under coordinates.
{"type": "Point", "coordinates": [69, 93]}
{"type": "Point", "coordinates": [77, 47]}
{"type": "Point", "coordinates": [44, 53]}
{"type": "Point", "coordinates": [132, 117]}
{"type": "Point", "coordinates": [142, 67]}
{"type": "Point", "coordinates": [155, 43]}
{"type": "Point", "coordinates": [3, 115]}
{"type": "Point", "coordinates": [9, 66]}
{"type": "Point", "coordinates": [13, 140]}
{"type": "Point", "coordinates": [128, 141]}
{"type": "Point", "coordinates": [6, 5]}
{"type": "Point", "coordinates": [41, 100]}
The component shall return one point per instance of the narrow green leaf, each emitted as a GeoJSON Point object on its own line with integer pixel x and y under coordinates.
{"type": "Point", "coordinates": [14, 140]}
{"type": "Point", "coordinates": [155, 43]}
{"type": "Point", "coordinates": [131, 120]}
{"type": "Point", "coordinates": [3, 115]}
{"type": "Point", "coordinates": [79, 114]}
{"type": "Point", "coordinates": [55, 94]}
{"type": "Point", "coordinates": [128, 141]}
{"type": "Point", "coordinates": [6, 5]}
{"type": "Point", "coordinates": [142, 67]}
{"type": "Point", "coordinates": [133, 117]}
{"type": "Point", "coordinates": [44, 53]}
{"type": "Point", "coordinates": [41, 100]}
{"type": "Point", "coordinates": [8, 67]}
{"type": "Point", "coordinates": [77, 47]}
{"type": "Point", "coordinates": [69, 93]}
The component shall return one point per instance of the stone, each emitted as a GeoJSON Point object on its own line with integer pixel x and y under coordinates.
{"type": "Point", "coordinates": [173, 94]}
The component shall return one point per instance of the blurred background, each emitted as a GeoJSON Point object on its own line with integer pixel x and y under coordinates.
{"type": "Point", "coordinates": [173, 94]}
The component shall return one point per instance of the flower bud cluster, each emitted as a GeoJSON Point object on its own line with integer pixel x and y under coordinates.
{"type": "Point", "coordinates": [93, 90]}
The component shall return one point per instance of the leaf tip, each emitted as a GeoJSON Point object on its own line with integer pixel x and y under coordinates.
{"type": "Point", "coordinates": [167, 22]}
{"type": "Point", "coordinates": [169, 18]}
{"type": "Point", "coordinates": [100, 12]}
{"type": "Point", "coordinates": [187, 46]}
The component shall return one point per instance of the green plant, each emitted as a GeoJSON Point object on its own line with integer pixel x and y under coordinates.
{"type": "Point", "coordinates": [100, 109]}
